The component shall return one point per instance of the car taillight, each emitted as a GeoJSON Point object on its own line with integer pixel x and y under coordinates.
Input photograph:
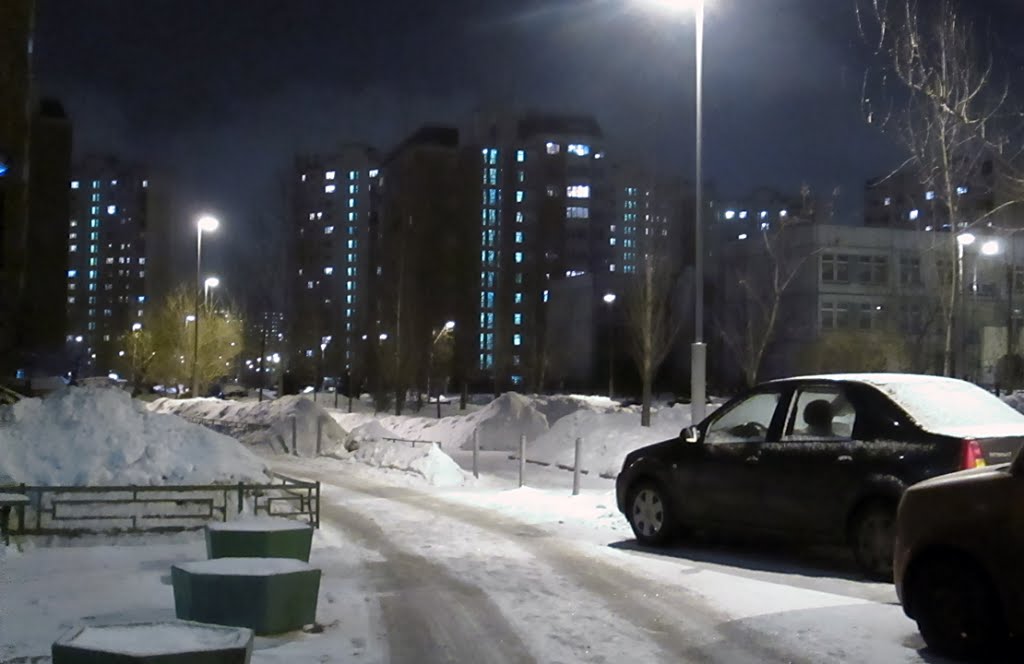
{"type": "Point", "coordinates": [970, 455]}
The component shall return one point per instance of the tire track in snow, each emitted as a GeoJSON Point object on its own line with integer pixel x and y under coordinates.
{"type": "Point", "coordinates": [430, 615]}
{"type": "Point", "coordinates": [679, 622]}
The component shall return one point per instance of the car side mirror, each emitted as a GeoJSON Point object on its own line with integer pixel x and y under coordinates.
{"type": "Point", "coordinates": [690, 435]}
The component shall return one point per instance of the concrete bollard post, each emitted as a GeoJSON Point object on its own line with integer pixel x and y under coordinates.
{"type": "Point", "coordinates": [319, 433]}
{"type": "Point", "coordinates": [295, 436]}
{"type": "Point", "coordinates": [476, 453]}
{"type": "Point", "coordinates": [522, 460]}
{"type": "Point", "coordinates": [576, 468]}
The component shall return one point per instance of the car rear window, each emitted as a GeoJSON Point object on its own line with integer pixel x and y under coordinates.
{"type": "Point", "coordinates": [955, 408]}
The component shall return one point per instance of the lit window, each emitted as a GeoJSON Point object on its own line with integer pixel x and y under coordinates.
{"type": "Point", "coordinates": [576, 212]}
{"type": "Point", "coordinates": [553, 148]}
{"type": "Point", "coordinates": [741, 236]}
{"type": "Point", "coordinates": [329, 189]}
{"type": "Point", "coordinates": [578, 191]}
{"type": "Point", "coordinates": [352, 244]}
{"type": "Point", "coordinates": [309, 284]}
{"type": "Point", "coordinates": [579, 149]}
{"type": "Point", "coordinates": [914, 214]}
{"type": "Point", "coordinates": [888, 201]}
{"type": "Point", "coordinates": [764, 214]}
{"type": "Point", "coordinates": [328, 230]}
{"type": "Point", "coordinates": [111, 209]}
{"type": "Point", "coordinates": [145, 184]}
{"type": "Point", "coordinates": [519, 237]}
{"type": "Point", "coordinates": [961, 191]}
{"type": "Point", "coordinates": [72, 274]}
{"type": "Point", "coordinates": [765, 225]}
{"type": "Point", "coordinates": [74, 184]}
{"type": "Point", "coordinates": [73, 248]}
{"type": "Point", "coordinates": [929, 196]}
{"type": "Point", "coordinates": [353, 175]}
{"type": "Point", "coordinates": [730, 214]}
{"type": "Point", "coordinates": [611, 242]}
{"type": "Point", "coordinates": [518, 298]}
{"type": "Point", "coordinates": [113, 183]}
{"type": "Point", "coordinates": [517, 319]}
{"type": "Point", "coordinates": [329, 175]}
{"type": "Point", "coordinates": [328, 270]}
{"type": "Point", "coordinates": [519, 257]}
{"type": "Point", "coordinates": [546, 295]}
{"type": "Point", "coordinates": [599, 155]}
{"type": "Point", "coordinates": [373, 172]}
{"type": "Point", "coordinates": [517, 340]}
{"type": "Point", "coordinates": [612, 268]}
{"type": "Point", "coordinates": [743, 214]}
{"type": "Point", "coordinates": [95, 184]}
{"type": "Point", "coordinates": [351, 202]}
{"type": "Point", "coordinates": [520, 196]}
{"type": "Point", "coordinates": [521, 156]}
{"type": "Point", "coordinates": [353, 189]}
{"type": "Point", "coordinates": [783, 213]}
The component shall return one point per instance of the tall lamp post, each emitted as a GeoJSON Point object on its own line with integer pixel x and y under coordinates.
{"type": "Point", "coordinates": [205, 224]}
{"type": "Point", "coordinates": [609, 299]}
{"type": "Point", "coordinates": [963, 241]}
{"type": "Point", "coordinates": [698, 350]}
{"type": "Point", "coordinates": [446, 329]}
{"type": "Point", "coordinates": [324, 341]}
{"type": "Point", "coordinates": [208, 285]}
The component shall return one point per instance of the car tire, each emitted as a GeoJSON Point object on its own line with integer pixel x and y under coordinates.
{"type": "Point", "coordinates": [956, 608]}
{"type": "Point", "coordinates": [650, 514]}
{"type": "Point", "coordinates": [872, 538]}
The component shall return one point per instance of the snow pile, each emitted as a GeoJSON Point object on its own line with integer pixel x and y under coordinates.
{"type": "Point", "coordinates": [427, 461]}
{"type": "Point", "coordinates": [1015, 401]}
{"type": "Point", "coordinates": [607, 437]}
{"type": "Point", "coordinates": [95, 436]}
{"type": "Point", "coordinates": [558, 406]}
{"type": "Point", "coordinates": [371, 432]}
{"type": "Point", "coordinates": [500, 424]}
{"type": "Point", "coordinates": [269, 422]}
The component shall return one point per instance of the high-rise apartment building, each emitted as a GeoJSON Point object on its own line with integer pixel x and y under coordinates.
{"type": "Point", "coordinates": [901, 200]}
{"type": "Point", "coordinates": [331, 203]}
{"type": "Point", "coordinates": [651, 210]}
{"type": "Point", "coordinates": [44, 310]}
{"type": "Point", "coordinates": [16, 22]}
{"type": "Point", "coordinates": [544, 214]}
{"type": "Point", "coordinates": [117, 236]}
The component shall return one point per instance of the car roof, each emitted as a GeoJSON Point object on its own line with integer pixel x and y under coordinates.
{"type": "Point", "coordinates": [874, 379]}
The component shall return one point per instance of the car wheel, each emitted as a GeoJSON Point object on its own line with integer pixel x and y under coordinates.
{"type": "Point", "coordinates": [956, 609]}
{"type": "Point", "coordinates": [873, 540]}
{"type": "Point", "coordinates": [650, 515]}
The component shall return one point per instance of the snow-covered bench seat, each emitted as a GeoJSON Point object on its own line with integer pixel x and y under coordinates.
{"type": "Point", "coordinates": [262, 537]}
{"type": "Point", "coordinates": [166, 643]}
{"type": "Point", "coordinates": [267, 595]}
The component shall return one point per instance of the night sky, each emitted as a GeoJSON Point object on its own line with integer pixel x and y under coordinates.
{"type": "Point", "coordinates": [224, 92]}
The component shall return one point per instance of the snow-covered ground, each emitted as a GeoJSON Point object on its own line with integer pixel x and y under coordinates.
{"type": "Point", "coordinates": [422, 562]}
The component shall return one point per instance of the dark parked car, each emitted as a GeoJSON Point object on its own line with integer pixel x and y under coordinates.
{"type": "Point", "coordinates": [818, 458]}
{"type": "Point", "coordinates": [959, 546]}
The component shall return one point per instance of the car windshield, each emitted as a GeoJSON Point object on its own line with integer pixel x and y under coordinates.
{"type": "Point", "coordinates": [954, 407]}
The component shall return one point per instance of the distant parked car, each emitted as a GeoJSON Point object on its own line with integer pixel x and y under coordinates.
{"type": "Point", "coordinates": [818, 459]}
{"type": "Point", "coordinates": [959, 547]}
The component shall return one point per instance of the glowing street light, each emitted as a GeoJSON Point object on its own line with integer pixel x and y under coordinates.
{"type": "Point", "coordinates": [965, 239]}
{"type": "Point", "coordinates": [136, 327]}
{"type": "Point", "coordinates": [383, 336]}
{"type": "Point", "coordinates": [990, 248]}
{"type": "Point", "coordinates": [205, 224]}
{"type": "Point", "coordinates": [211, 282]}
{"type": "Point", "coordinates": [698, 353]}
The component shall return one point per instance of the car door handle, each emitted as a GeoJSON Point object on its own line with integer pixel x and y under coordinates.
{"type": "Point", "coordinates": [752, 459]}
{"type": "Point", "coordinates": [844, 458]}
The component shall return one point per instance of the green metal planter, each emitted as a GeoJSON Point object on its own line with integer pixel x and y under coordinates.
{"type": "Point", "coordinates": [267, 595]}
{"type": "Point", "coordinates": [154, 643]}
{"type": "Point", "coordinates": [259, 538]}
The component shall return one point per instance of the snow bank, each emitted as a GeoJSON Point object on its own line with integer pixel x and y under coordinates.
{"type": "Point", "coordinates": [427, 461]}
{"type": "Point", "coordinates": [96, 436]}
{"type": "Point", "coordinates": [607, 437]}
{"type": "Point", "coordinates": [556, 407]}
{"type": "Point", "coordinates": [1015, 401]}
{"type": "Point", "coordinates": [500, 424]}
{"type": "Point", "coordinates": [269, 423]}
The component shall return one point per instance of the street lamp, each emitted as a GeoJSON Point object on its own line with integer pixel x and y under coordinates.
{"type": "Point", "coordinates": [699, 351]}
{"type": "Point", "coordinates": [205, 224]}
{"type": "Point", "coordinates": [324, 341]}
{"type": "Point", "coordinates": [445, 329]}
{"type": "Point", "coordinates": [211, 282]}
{"type": "Point", "coordinates": [136, 327]}
{"type": "Point", "coordinates": [609, 299]}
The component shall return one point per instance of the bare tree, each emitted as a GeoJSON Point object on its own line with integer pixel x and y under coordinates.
{"type": "Point", "coordinates": [751, 318]}
{"type": "Point", "coordinates": [938, 96]}
{"type": "Point", "coordinates": [649, 317]}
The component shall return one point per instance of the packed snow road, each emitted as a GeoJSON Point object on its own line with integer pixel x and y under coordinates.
{"type": "Point", "coordinates": [459, 583]}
